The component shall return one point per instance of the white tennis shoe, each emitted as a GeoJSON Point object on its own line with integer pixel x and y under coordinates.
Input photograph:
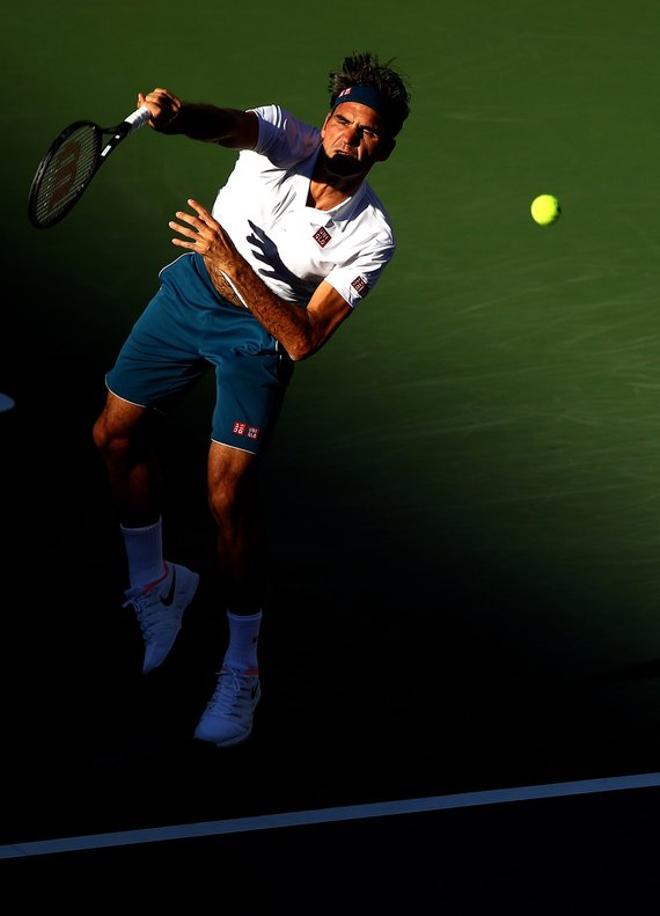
{"type": "Point", "coordinates": [159, 607]}
{"type": "Point", "coordinates": [229, 715]}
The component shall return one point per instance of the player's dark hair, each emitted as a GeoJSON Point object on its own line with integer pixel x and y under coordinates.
{"type": "Point", "coordinates": [364, 69]}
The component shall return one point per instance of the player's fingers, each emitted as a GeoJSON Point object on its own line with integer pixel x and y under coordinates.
{"type": "Point", "coordinates": [165, 101]}
{"type": "Point", "coordinates": [200, 245]}
{"type": "Point", "coordinates": [195, 204]}
{"type": "Point", "coordinates": [148, 100]}
{"type": "Point", "coordinates": [163, 107]}
{"type": "Point", "coordinates": [182, 229]}
{"type": "Point", "coordinates": [204, 214]}
{"type": "Point", "coordinates": [191, 220]}
{"type": "Point", "coordinates": [154, 106]}
{"type": "Point", "coordinates": [166, 98]}
{"type": "Point", "coordinates": [141, 103]}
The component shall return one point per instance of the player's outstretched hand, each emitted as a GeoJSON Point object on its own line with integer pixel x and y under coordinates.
{"type": "Point", "coordinates": [206, 236]}
{"type": "Point", "coordinates": [164, 107]}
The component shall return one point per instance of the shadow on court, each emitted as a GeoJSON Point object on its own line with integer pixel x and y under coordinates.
{"type": "Point", "coordinates": [580, 856]}
{"type": "Point", "coordinates": [392, 668]}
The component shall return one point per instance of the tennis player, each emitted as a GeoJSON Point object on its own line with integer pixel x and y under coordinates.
{"type": "Point", "coordinates": [295, 241]}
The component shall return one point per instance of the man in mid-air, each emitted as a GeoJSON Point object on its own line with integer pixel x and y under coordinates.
{"type": "Point", "coordinates": [296, 239]}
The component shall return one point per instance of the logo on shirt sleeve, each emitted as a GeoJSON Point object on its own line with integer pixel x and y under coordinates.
{"type": "Point", "coordinates": [322, 236]}
{"type": "Point", "coordinates": [360, 286]}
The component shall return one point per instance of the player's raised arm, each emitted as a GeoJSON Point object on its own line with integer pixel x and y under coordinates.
{"type": "Point", "coordinates": [226, 126]}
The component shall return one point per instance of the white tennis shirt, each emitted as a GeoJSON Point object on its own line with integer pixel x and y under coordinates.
{"type": "Point", "coordinates": [293, 247]}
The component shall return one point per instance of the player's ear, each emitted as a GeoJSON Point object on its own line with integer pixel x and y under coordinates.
{"type": "Point", "coordinates": [324, 125]}
{"type": "Point", "coordinates": [386, 149]}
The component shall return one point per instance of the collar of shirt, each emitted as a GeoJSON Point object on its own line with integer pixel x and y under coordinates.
{"type": "Point", "coordinates": [340, 214]}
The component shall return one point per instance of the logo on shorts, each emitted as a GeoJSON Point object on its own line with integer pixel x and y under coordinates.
{"type": "Point", "coordinates": [322, 236]}
{"type": "Point", "coordinates": [360, 286]}
{"type": "Point", "coordinates": [241, 428]}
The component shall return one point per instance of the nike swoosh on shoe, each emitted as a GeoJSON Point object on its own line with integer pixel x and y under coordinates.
{"type": "Point", "coordinates": [169, 597]}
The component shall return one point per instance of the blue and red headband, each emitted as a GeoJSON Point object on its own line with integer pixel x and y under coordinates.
{"type": "Point", "coordinates": [363, 94]}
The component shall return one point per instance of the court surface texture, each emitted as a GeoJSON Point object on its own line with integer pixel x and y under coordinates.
{"type": "Point", "coordinates": [462, 495]}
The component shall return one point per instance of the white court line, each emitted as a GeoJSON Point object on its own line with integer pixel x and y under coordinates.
{"type": "Point", "coordinates": [329, 815]}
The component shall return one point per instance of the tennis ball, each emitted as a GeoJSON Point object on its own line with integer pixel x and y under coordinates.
{"type": "Point", "coordinates": [545, 209]}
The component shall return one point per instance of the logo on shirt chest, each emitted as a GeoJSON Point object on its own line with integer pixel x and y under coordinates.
{"type": "Point", "coordinates": [322, 236]}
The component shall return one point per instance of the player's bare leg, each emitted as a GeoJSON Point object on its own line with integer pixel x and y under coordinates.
{"type": "Point", "coordinates": [233, 498]}
{"type": "Point", "coordinates": [122, 435]}
{"type": "Point", "coordinates": [233, 479]}
{"type": "Point", "coordinates": [159, 592]}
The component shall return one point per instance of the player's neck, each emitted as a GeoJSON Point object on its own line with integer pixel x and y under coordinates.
{"type": "Point", "coordinates": [323, 196]}
{"type": "Point", "coordinates": [327, 190]}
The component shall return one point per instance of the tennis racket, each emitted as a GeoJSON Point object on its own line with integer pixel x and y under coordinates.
{"type": "Point", "coordinates": [71, 162]}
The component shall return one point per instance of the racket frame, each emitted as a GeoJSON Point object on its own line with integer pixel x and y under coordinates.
{"type": "Point", "coordinates": [115, 136]}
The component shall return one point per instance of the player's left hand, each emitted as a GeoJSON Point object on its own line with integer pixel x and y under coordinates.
{"type": "Point", "coordinates": [207, 237]}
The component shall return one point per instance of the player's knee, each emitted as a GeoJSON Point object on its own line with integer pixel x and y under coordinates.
{"type": "Point", "coordinates": [113, 444]}
{"type": "Point", "coordinates": [100, 433]}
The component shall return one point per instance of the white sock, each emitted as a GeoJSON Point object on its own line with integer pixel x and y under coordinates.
{"type": "Point", "coordinates": [144, 551]}
{"type": "Point", "coordinates": [243, 638]}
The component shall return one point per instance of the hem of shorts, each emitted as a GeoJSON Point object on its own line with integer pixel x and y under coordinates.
{"type": "Point", "coordinates": [172, 263]}
{"type": "Point", "coordinates": [125, 400]}
{"type": "Point", "coordinates": [237, 447]}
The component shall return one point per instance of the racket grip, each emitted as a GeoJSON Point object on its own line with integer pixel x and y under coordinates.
{"type": "Point", "coordinates": [138, 119]}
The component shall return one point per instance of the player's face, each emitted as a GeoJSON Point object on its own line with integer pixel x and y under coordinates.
{"type": "Point", "coordinates": [354, 138]}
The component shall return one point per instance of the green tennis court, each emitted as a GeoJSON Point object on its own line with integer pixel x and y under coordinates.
{"type": "Point", "coordinates": [463, 490]}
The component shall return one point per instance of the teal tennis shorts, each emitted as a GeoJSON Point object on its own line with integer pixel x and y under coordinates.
{"type": "Point", "coordinates": [188, 327]}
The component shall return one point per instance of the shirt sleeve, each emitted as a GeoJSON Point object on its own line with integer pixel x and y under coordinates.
{"type": "Point", "coordinates": [353, 281]}
{"type": "Point", "coordinates": [283, 138]}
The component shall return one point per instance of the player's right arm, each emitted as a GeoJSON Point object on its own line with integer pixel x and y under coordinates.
{"type": "Point", "coordinates": [226, 126]}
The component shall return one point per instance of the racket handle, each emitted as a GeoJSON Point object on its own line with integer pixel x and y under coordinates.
{"type": "Point", "coordinates": [138, 119]}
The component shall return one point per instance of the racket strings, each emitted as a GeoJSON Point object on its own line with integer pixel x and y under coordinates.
{"type": "Point", "coordinates": [67, 173]}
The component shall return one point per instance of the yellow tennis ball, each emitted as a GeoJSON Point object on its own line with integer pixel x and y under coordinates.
{"type": "Point", "coordinates": [545, 209]}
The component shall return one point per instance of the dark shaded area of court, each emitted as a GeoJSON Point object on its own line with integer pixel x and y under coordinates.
{"type": "Point", "coordinates": [580, 857]}
{"type": "Point", "coordinates": [375, 691]}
